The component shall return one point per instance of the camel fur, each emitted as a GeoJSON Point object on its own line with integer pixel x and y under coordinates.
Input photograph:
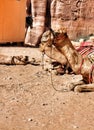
{"type": "Point", "coordinates": [75, 60]}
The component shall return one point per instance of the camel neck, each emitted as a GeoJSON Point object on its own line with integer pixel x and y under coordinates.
{"type": "Point", "coordinates": [73, 57]}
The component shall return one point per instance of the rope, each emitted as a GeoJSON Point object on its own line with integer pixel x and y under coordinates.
{"type": "Point", "coordinates": [43, 60]}
{"type": "Point", "coordinates": [90, 74]}
{"type": "Point", "coordinates": [43, 53]}
{"type": "Point", "coordinates": [53, 86]}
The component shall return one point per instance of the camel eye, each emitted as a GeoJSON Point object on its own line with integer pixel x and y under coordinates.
{"type": "Point", "coordinates": [56, 34]}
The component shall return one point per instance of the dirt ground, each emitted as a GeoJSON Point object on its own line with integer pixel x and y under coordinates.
{"type": "Point", "coordinates": [28, 100]}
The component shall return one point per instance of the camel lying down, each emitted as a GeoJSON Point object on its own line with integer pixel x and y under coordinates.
{"type": "Point", "coordinates": [58, 46]}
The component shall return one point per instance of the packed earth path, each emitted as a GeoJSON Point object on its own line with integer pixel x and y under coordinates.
{"type": "Point", "coordinates": [28, 100]}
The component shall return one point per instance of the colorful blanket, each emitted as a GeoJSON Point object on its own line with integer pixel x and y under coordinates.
{"type": "Point", "coordinates": [87, 49]}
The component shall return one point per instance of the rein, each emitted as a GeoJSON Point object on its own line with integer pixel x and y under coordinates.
{"type": "Point", "coordinates": [52, 83]}
{"type": "Point", "coordinates": [79, 71]}
{"type": "Point", "coordinates": [90, 79]}
{"type": "Point", "coordinates": [55, 35]}
{"type": "Point", "coordinates": [90, 74]}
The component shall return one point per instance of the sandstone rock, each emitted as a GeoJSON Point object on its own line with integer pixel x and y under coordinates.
{"type": "Point", "coordinates": [77, 16]}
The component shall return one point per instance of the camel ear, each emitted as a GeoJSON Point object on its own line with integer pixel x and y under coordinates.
{"type": "Point", "coordinates": [64, 30]}
{"type": "Point", "coordinates": [60, 29]}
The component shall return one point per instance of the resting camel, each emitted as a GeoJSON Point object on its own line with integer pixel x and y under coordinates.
{"type": "Point", "coordinates": [66, 53]}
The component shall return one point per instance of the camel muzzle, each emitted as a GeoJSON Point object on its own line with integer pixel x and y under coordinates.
{"type": "Point", "coordinates": [55, 34]}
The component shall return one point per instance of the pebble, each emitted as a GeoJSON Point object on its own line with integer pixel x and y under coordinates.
{"type": "Point", "coordinates": [7, 78]}
{"type": "Point", "coordinates": [45, 104]}
{"type": "Point", "coordinates": [30, 119]}
{"type": "Point", "coordinates": [75, 127]}
{"type": "Point", "coordinates": [37, 83]}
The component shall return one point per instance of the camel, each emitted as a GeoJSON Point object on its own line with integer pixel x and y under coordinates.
{"type": "Point", "coordinates": [75, 60]}
{"type": "Point", "coordinates": [60, 61]}
{"type": "Point", "coordinates": [51, 51]}
{"type": "Point", "coordinates": [53, 13]}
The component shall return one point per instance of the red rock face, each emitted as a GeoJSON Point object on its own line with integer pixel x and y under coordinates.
{"type": "Point", "coordinates": [76, 15]}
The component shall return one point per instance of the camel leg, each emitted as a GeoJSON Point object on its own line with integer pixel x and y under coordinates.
{"type": "Point", "coordinates": [50, 50]}
{"type": "Point", "coordinates": [84, 88]}
{"type": "Point", "coordinates": [53, 53]}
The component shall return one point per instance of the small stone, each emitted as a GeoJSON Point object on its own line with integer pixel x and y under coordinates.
{"type": "Point", "coordinates": [75, 127]}
{"type": "Point", "coordinates": [30, 119]}
{"type": "Point", "coordinates": [10, 78]}
{"type": "Point", "coordinates": [20, 74]}
{"type": "Point", "coordinates": [37, 84]}
{"type": "Point", "coordinates": [45, 104]}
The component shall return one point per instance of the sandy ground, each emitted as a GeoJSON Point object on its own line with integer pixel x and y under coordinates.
{"type": "Point", "coordinates": [28, 100]}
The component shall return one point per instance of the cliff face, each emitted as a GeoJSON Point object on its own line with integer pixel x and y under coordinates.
{"type": "Point", "coordinates": [76, 15]}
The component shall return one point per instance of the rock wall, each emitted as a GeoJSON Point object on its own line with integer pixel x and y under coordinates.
{"type": "Point", "coordinates": [76, 15]}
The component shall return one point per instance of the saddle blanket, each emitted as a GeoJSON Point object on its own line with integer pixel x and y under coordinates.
{"type": "Point", "coordinates": [87, 49]}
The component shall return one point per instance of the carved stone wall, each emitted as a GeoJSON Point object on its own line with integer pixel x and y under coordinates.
{"type": "Point", "coordinates": [76, 15]}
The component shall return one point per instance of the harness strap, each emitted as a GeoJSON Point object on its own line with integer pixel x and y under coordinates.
{"type": "Point", "coordinates": [91, 71]}
{"type": "Point", "coordinates": [90, 74]}
{"type": "Point", "coordinates": [79, 71]}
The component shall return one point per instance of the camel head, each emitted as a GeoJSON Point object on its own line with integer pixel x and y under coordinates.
{"type": "Point", "coordinates": [55, 37]}
{"type": "Point", "coordinates": [59, 34]}
{"type": "Point", "coordinates": [46, 40]}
